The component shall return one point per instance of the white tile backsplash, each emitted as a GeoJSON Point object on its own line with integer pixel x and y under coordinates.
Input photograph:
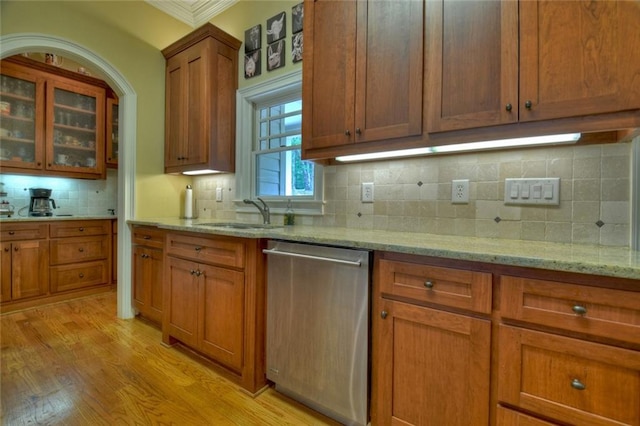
{"type": "Point", "coordinates": [79, 197]}
{"type": "Point", "coordinates": [415, 195]}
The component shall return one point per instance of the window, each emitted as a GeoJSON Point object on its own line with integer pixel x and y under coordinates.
{"type": "Point", "coordinates": [280, 170]}
{"type": "Point", "coordinates": [269, 163]}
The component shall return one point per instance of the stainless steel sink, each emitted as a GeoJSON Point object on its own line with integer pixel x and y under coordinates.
{"type": "Point", "coordinates": [239, 225]}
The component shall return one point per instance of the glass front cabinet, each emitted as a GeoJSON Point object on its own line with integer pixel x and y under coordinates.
{"type": "Point", "coordinates": [50, 124]}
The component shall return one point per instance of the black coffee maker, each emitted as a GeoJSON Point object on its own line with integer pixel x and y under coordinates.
{"type": "Point", "coordinates": [41, 202]}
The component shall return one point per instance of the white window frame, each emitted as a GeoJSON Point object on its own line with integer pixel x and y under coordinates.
{"type": "Point", "coordinates": [246, 99]}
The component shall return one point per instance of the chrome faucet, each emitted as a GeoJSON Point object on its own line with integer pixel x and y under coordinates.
{"type": "Point", "coordinates": [264, 210]}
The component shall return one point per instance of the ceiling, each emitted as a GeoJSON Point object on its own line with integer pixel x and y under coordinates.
{"type": "Point", "coordinates": [192, 12]}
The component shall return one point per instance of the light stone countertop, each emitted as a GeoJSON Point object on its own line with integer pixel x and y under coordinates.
{"type": "Point", "coordinates": [55, 218]}
{"type": "Point", "coordinates": [619, 262]}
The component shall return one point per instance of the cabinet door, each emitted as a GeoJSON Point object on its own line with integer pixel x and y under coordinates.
{"type": "Point", "coordinates": [147, 285]}
{"type": "Point", "coordinates": [329, 71]}
{"type": "Point", "coordinates": [29, 269]}
{"type": "Point", "coordinates": [223, 315]}
{"type": "Point", "coordinates": [187, 106]}
{"type": "Point", "coordinates": [430, 367]}
{"type": "Point", "coordinates": [5, 273]}
{"type": "Point", "coordinates": [75, 127]}
{"type": "Point", "coordinates": [22, 137]}
{"type": "Point", "coordinates": [578, 58]}
{"type": "Point", "coordinates": [183, 301]}
{"type": "Point", "coordinates": [570, 380]}
{"type": "Point", "coordinates": [111, 135]}
{"type": "Point", "coordinates": [472, 64]}
{"type": "Point", "coordinates": [389, 69]}
{"type": "Point", "coordinates": [363, 72]}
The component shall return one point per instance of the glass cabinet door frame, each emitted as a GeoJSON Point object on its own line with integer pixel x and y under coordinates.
{"type": "Point", "coordinates": [31, 136]}
{"type": "Point", "coordinates": [85, 139]}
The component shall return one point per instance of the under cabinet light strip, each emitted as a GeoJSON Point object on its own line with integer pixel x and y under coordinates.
{"type": "Point", "coordinates": [471, 146]}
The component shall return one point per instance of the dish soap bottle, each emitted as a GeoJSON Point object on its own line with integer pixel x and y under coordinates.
{"type": "Point", "coordinates": [289, 216]}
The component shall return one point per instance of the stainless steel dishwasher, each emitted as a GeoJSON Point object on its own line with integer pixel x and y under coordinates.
{"type": "Point", "coordinates": [318, 327]}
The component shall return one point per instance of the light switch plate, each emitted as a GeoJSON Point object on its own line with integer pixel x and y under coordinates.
{"type": "Point", "coordinates": [536, 191]}
{"type": "Point", "coordinates": [218, 194]}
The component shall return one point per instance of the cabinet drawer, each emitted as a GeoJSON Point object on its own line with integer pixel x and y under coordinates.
{"type": "Point", "coordinates": [23, 231]}
{"type": "Point", "coordinates": [570, 380]}
{"type": "Point", "coordinates": [71, 277]}
{"type": "Point", "coordinates": [79, 228]}
{"type": "Point", "coordinates": [148, 236]}
{"type": "Point", "coordinates": [457, 288]}
{"type": "Point", "coordinates": [507, 417]}
{"type": "Point", "coordinates": [81, 249]}
{"type": "Point", "coordinates": [216, 250]}
{"type": "Point", "coordinates": [590, 310]}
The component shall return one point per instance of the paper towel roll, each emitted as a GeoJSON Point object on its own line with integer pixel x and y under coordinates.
{"type": "Point", "coordinates": [188, 203]}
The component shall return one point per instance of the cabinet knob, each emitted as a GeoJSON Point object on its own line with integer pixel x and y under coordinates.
{"type": "Point", "coordinates": [384, 314]}
{"type": "Point", "coordinates": [49, 165]}
{"type": "Point", "coordinates": [40, 164]}
{"type": "Point", "coordinates": [192, 272]}
{"type": "Point", "coordinates": [6, 249]}
{"type": "Point", "coordinates": [358, 131]}
{"type": "Point", "coordinates": [579, 310]}
{"type": "Point", "coordinates": [81, 249]}
{"type": "Point", "coordinates": [15, 248]}
{"type": "Point", "coordinates": [81, 275]}
{"type": "Point", "coordinates": [198, 249]}
{"type": "Point", "coordinates": [81, 229]}
{"type": "Point", "coordinates": [347, 132]}
{"type": "Point", "coordinates": [578, 385]}
{"type": "Point", "coordinates": [508, 107]}
{"type": "Point", "coordinates": [12, 233]}
{"type": "Point", "coordinates": [428, 284]}
{"type": "Point", "coordinates": [528, 104]}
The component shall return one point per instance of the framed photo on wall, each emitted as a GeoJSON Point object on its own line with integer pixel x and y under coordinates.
{"type": "Point", "coordinates": [297, 17]}
{"type": "Point", "coordinates": [296, 46]}
{"type": "Point", "coordinates": [276, 27]}
{"type": "Point", "coordinates": [253, 38]}
{"type": "Point", "coordinates": [252, 64]}
{"type": "Point", "coordinates": [275, 55]}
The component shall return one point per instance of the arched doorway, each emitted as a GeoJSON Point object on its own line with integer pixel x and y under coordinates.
{"type": "Point", "coordinates": [13, 44]}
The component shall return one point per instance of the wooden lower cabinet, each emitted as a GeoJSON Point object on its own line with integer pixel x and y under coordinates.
{"type": "Point", "coordinates": [147, 281]}
{"type": "Point", "coordinates": [571, 380]}
{"type": "Point", "coordinates": [25, 269]}
{"type": "Point", "coordinates": [207, 309]}
{"type": "Point", "coordinates": [432, 366]}
{"type": "Point", "coordinates": [214, 302]}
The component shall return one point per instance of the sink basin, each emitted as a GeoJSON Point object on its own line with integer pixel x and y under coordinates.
{"type": "Point", "coordinates": [239, 225]}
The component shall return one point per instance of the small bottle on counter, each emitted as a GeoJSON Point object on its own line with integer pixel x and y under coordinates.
{"type": "Point", "coordinates": [289, 216]}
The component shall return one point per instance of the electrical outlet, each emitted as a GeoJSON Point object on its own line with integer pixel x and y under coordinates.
{"type": "Point", "coordinates": [460, 191]}
{"type": "Point", "coordinates": [218, 194]}
{"type": "Point", "coordinates": [367, 192]}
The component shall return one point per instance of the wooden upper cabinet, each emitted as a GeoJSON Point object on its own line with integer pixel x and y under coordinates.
{"type": "Point", "coordinates": [363, 72]}
{"type": "Point", "coordinates": [578, 58]}
{"type": "Point", "coordinates": [472, 71]}
{"type": "Point", "coordinates": [491, 63]}
{"type": "Point", "coordinates": [200, 110]}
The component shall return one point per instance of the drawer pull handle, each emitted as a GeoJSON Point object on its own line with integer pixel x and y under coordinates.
{"type": "Point", "coordinates": [80, 249]}
{"type": "Point", "coordinates": [192, 272]}
{"type": "Point", "coordinates": [147, 237]}
{"type": "Point", "coordinates": [579, 310]}
{"type": "Point", "coordinates": [12, 233]}
{"type": "Point", "coordinates": [81, 275]}
{"type": "Point", "coordinates": [384, 314]}
{"type": "Point", "coordinates": [428, 284]}
{"type": "Point", "coordinates": [578, 385]}
{"type": "Point", "coordinates": [198, 249]}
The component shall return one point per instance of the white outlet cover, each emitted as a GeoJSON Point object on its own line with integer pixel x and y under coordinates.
{"type": "Point", "coordinates": [460, 191]}
{"type": "Point", "coordinates": [367, 192]}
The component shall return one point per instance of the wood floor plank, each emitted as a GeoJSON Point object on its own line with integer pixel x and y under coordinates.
{"type": "Point", "coordinates": [76, 363]}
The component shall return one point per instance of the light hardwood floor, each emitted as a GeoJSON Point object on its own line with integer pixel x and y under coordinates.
{"type": "Point", "coordinates": [76, 363]}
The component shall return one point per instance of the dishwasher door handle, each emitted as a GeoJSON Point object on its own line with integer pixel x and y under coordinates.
{"type": "Point", "coordinates": [308, 256]}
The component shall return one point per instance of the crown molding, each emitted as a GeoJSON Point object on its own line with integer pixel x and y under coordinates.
{"type": "Point", "coordinates": [193, 13]}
